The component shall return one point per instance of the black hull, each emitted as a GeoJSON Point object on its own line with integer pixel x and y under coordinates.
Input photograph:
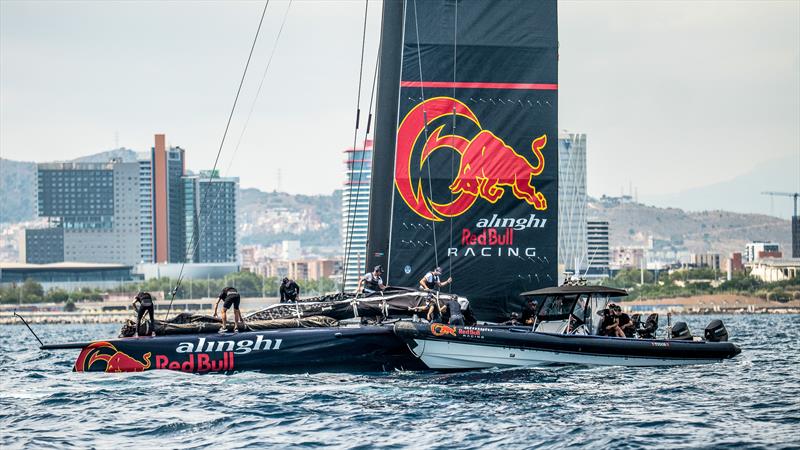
{"type": "Point", "coordinates": [332, 349]}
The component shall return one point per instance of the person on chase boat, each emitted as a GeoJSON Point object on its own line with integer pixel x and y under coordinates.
{"type": "Point", "coordinates": [231, 297]}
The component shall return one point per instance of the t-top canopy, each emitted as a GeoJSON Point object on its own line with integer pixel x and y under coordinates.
{"type": "Point", "coordinates": [567, 290]}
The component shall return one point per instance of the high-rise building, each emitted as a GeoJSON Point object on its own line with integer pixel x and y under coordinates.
{"type": "Point", "coordinates": [572, 251]}
{"type": "Point", "coordinates": [93, 210]}
{"type": "Point", "coordinates": [146, 238]}
{"type": "Point", "coordinates": [134, 212]}
{"type": "Point", "coordinates": [209, 206]}
{"type": "Point", "coordinates": [597, 246]}
{"type": "Point", "coordinates": [355, 212]}
{"type": "Point", "coordinates": [169, 231]}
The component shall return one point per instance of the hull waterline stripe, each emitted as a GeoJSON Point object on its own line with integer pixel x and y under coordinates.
{"type": "Point", "coordinates": [479, 85]}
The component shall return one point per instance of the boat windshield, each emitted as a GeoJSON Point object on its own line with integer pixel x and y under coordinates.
{"type": "Point", "coordinates": [556, 307]}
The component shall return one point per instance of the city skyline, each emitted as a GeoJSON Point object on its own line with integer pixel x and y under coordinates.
{"type": "Point", "coordinates": [90, 94]}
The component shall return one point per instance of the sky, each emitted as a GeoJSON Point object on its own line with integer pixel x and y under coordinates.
{"type": "Point", "coordinates": [672, 95]}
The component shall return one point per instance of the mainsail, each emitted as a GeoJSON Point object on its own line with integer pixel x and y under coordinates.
{"type": "Point", "coordinates": [465, 168]}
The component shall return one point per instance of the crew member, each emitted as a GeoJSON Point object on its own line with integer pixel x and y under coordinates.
{"type": "Point", "coordinates": [625, 322]}
{"type": "Point", "coordinates": [143, 302]}
{"type": "Point", "coordinates": [453, 307]}
{"type": "Point", "coordinates": [290, 291]}
{"type": "Point", "coordinates": [432, 280]}
{"type": "Point", "coordinates": [372, 281]}
{"type": "Point", "coordinates": [231, 297]}
{"type": "Point", "coordinates": [609, 326]}
{"type": "Point", "coordinates": [529, 312]}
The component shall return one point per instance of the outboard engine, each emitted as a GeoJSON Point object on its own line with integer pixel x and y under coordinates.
{"type": "Point", "coordinates": [680, 331]}
{"type": "Point", "coordinates": [716, 331]}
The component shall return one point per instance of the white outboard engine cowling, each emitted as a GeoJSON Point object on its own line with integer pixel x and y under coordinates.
{"type": "Point", "coordinates": [716, 331]}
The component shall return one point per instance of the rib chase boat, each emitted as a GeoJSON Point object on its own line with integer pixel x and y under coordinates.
{"type": "Point", "coordinates": [564, 332]}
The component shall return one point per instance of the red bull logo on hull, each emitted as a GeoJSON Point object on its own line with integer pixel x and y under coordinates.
{"type": "Point", "coordinates": [115, 361]}
{"type": "Point", "coordinates": [488, 165]}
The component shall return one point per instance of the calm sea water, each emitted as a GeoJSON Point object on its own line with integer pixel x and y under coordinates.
{"type": "Point", "coordinates": [752, 401]}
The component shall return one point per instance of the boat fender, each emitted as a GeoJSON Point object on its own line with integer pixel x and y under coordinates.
{"type": "Point", "coordinates": [680, 331]}
{"type": "Point", "coordinates": [716, 331]}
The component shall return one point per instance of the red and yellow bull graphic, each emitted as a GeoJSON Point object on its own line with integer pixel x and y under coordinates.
{"type": "Point", "coordinates": [487, 167]}
{"type": "Point", "coordinates": [105, 353]}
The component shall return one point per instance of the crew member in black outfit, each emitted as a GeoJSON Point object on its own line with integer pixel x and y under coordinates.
{"type": "Point", "coordinates": [625, 322]}
{"type": "Point", "coordinates": [231, 297]}
{"type": "Point", "coordinates": [610, 323]}
{"type": "Point", "coordinates": [145, 304]}
{"type": "Point", "coordinates": [454, 309]}
{"type": "Point", "coordinates": [529, 312]}
{"type": "Point", "coordinates": [290, 291]}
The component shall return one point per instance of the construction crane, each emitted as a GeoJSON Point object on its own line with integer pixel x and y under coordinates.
{"type": "Point", "coordinates": [795, 220]}
{"type": "Point", "coordinates": [796, 195]}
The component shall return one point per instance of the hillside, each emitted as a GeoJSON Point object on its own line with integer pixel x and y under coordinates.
{"type": "Point", "coordinates": [270, 217]}
{"type": "Point", "coordinates": [719, 231]}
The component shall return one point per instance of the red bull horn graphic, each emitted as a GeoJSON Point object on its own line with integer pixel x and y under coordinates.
{"type": "Point", "coordinates": [486, 168]}
{"type": "Point", "coordinates": [114, 360]}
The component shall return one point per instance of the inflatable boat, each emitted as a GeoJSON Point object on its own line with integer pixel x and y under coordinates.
{"type": "Point", "coordinates": [564, 331]}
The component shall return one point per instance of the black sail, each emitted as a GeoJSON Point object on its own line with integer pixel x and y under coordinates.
{"type": "Point", "coordinates": [465, 170]}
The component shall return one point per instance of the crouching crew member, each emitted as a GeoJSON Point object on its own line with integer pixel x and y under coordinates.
{"type": "Point", "coordinates": [453, 307]}
{"type": "Point", "coordinates": [371, 282]}
{"type": "Point", "coordinates": [432, 280]}
{"type": "Point", "coordinates": [290, 291]}
{"type": "Point", "coordinates": [143, 302]}
{"type": "Point", "coordinates": [231, 297]}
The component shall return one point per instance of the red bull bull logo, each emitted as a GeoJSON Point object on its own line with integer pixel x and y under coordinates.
{"type": "Point", "coordinates": [440, 329]}
{"type": "Point", "coordinates": [99, 353]}
{"type": "Point", "coordinates": [488, 165]}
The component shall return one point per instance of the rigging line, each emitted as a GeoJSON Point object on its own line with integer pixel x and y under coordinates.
{"type": "Point", "coordinates": [453, 133]}
{"type": "Point", "coordinates": [194, 244]}
{"type": "Point", "coordinates": [425, 123]}
{"type": "Point", "coordinates": [350, 214]}
{"type": "Point", "coordinates": [260, 85]}
{"type": "Point", "coordinates": [193, 239]}
{"type": "Point", "coordinates": [366, 134]}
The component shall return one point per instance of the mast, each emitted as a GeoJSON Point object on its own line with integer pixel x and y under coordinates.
{"type": "Point", "coordinates": [385, 137]}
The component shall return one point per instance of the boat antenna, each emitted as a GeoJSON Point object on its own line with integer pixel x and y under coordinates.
{"type": "Point", "coordinates": [350, 225]}
{"type": "Point", "coordinates": [591, 260]}
{"type": "Point", "coordinates": [194, 238]}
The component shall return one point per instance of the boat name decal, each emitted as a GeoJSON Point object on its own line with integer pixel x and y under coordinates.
{"type": "Point", "coordinates": [241, 347]}
{"type": "Point", "coordinates": [660, 344]}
